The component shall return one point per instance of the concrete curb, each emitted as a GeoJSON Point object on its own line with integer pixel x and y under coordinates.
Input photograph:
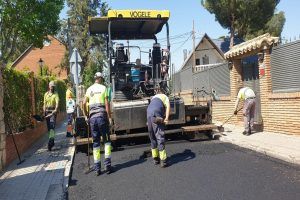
{"type": "Point", "coordinates": [265, 151]}
{"type": "Point", "coordinates": [68, 167]}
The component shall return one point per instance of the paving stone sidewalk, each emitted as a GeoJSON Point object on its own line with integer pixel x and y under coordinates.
{"type": "Point", "coordinates": [281, 146]}
{"type": "Point", "coordinates": [44, 174]}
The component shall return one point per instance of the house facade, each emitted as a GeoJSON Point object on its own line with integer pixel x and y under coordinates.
{"type": "Point", "coordinates": [207, 69]}
{"type": "Point", "coordinates": [37, 60]}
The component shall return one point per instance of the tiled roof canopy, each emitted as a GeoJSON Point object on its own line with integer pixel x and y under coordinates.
{"type": "Point", "coordinates": [251, 45]}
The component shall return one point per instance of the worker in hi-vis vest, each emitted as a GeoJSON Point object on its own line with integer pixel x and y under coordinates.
{"type": "Point", "coordinates": [248, 95]}
{"type": "Point", "coordinates": [50, 109]}
{"type": "Point", "coordinates": [158, 113]}
{"type": "Point", "coordinates": [99, 116]}
{"type": "Point", "coordinates": [70, 107]}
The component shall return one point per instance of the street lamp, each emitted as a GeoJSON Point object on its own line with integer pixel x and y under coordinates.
{"type": "Point", "coordinates": [41, 63]}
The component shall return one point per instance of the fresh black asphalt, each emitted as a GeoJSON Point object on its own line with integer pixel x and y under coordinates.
{"type": "Point", "coordinates": [197, 170]}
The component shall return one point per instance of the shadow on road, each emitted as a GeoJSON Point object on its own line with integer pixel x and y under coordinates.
{"type": "Point", "coordinates": [186, 155]}
{"type": "Point", "coordinates": [130, 163]}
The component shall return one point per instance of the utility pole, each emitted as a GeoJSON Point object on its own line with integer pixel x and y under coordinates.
{"type": "Point", "coordinates": [194, 51]}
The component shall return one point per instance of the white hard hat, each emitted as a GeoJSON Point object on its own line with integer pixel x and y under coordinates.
{"type": "Point", "coordinates": [52, 84]}
{"type": "Point", "coordinates": [98, 75]}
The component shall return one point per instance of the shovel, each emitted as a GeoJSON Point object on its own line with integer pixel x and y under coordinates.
{"type": "Point", "coordinates": [41, 118]}
{"type": "Point", "coordinates": [221, 128]}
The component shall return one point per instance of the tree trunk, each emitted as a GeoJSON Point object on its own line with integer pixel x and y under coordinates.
{"type": "Point", "coordinates": [232, 31]}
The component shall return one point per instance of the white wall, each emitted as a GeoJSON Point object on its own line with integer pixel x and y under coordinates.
{"type": "Point", "coordinates": [205, 48]}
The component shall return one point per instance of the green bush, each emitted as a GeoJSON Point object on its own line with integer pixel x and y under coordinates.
{"type": "Point", "coordinates": [61, 90]}
{"type": "Point", "coordinates": [17, 102]}
{"type": "Point", "coordinates": [40, 88]}
{"type": "Point", "coordinates": [17, 97]}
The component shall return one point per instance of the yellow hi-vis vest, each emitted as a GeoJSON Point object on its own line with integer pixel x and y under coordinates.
{"type": "Point", "coordinates": [51, 100]}
{"type": "Point", "coordinates": [96, 95]}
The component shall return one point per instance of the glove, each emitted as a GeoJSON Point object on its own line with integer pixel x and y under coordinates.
{"type": "Point", "coordinates": [86, 119]}
{"type": "Point", "coordinates": [110, 121]}
{"type": "Point", "coordinates": [235, 112]}
{"type": "Point", "coordinates": [158, 120]}
{"type": "Point", "coordinates": [166, 121]}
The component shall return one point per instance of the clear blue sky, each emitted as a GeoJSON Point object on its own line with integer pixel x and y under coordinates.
{"type": "Point", "coordinates": [184, 12]}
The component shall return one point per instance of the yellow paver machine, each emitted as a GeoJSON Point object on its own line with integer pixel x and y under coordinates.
{"type": "Point", "coordinates": [133, 82]}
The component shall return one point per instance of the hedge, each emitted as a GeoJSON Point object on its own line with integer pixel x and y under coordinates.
{"type": "Point", "coordinates": [16, 101]}
{"type": "Point", "coordinates": [17, 98]}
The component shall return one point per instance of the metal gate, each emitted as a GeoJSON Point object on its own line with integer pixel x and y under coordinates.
{"type": "Point", "coordinates": [250, 79]}
{"type": "Point", "coordinates": [285, 65]}
{"type": "Point", "coordinates": [216, 77]}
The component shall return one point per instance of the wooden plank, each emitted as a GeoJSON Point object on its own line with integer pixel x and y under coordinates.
{"type": "Point", "coordinates": [82, 141]}
{"type": "Point", "coordinates": [204, 127]}
{"type": "Point", "coordinates": [186, 129]}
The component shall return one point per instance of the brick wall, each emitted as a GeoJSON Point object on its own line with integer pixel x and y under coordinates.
{"type": "Point", "coordinates": [52, 56]}
{"type": "Point", "coordinates": [187, 96]}
{"type": "Point", "coordinates": [25, 140]}
{"type": "Point", "coordinates": [280, 112]}
{"type": "Point", "coordinates": [223, 109]}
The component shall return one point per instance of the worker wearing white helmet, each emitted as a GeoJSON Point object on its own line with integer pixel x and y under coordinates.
{"type": "Point", "coordinates": [99, 114]}
{"type": "Point", "coordinates": [50, 109]}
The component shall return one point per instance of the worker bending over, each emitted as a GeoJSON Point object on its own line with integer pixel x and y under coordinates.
{"type": "Point", "coordinates": [248, 95]}
{"type": "Point", "coordinates": [158, 113]}
{"type": "Point", "coordinates": [99, 114]}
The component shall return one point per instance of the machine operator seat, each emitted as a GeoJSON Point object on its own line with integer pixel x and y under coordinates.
{"type": "Point", "coordinates": [121, 57]}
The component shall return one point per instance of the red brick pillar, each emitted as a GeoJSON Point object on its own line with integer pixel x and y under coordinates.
{"type": "Point", "coordinates": [265, 84]}
{"type": "Point", "coordinates": [2, 126]}
{"type": "Point", "coordinates": [235, 83]}
{"type": "Point", "coordinates": [235, 78]}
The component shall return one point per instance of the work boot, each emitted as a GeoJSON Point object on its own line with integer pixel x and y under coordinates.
{"type": "Point", "coordinates": [98, 172]}
{"type": "Point", "coordinates": [163, 163]}
{"type": "Point", "coordinates": [249, 132]}
{"type": "Point", "coordinates": [68, 134]}
{"type": "Point", "coordinates": [245, 132]}
{"type": "Point", "coordinates": [108, 169]}
{"type": "Point", "coordinates": [156, 160]}
{"type": "Point", "coordinates": [50, 144]}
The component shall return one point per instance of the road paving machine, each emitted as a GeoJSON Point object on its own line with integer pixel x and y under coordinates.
{"type": "Point", "coordinates": [133, 81]}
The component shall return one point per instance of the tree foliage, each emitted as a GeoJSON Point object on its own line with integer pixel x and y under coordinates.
{"type": "Point", "coordinates": [247, 18]}
{"type": "Point", "coordinates": [90, 47]}
{"type": "Point", "coordinates": [26, 22]}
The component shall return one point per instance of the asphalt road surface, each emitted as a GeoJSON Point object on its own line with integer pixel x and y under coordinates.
{"type": "Point", "coordinates": [198, 170]}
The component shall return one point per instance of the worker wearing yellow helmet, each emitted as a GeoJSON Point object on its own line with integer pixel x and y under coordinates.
{"type": "Point", "coordinates": [70, 106]}
{"type": "Point", "coordinates": [50, 109]}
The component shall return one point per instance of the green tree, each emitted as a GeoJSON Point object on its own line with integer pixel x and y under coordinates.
{"type": "Point", "coordinates": [246, 18]}
{"type": "Point", "coordinates": [26, 22]}
{"type": "Point", "coordinates": [90, 47]}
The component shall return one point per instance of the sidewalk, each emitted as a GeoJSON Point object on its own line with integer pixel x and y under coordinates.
{"type": "Point", "coordinates": [44, 174]}
{"type": "Point", "coordinates": [280, 146]}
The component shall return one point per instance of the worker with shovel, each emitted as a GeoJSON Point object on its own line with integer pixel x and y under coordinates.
{"type": "Point", "coordinates": [158, 113]}
{"type": "Point", "coordinates": [50, 109]}
{"type": "Point", "coordinates": [99, 114]}
{"type": "Point", "coordinates": [248, 95]}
